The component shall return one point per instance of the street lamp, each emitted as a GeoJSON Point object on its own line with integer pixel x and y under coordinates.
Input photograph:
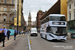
{"type": "Point", "coordinates": [17, 15]}
{"type": "Point", "coordinates": [16, 11]}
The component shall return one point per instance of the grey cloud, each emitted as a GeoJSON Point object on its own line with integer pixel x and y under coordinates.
{"type": "Point", "coordinates": [35, 5]}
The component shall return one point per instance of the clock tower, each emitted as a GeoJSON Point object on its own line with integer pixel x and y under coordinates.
{"type": "Point", "coordinates": [29, 21]}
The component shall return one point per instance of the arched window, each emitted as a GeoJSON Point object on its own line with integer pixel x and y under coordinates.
{"type": "Point", "coordinates": [12, 18]}
{"type": "Point", "coordinates": [12, 1]}
{"type": "Point", "coordinates": [4, 18]}
{"type": "Point", "coordinates": [5, 1]}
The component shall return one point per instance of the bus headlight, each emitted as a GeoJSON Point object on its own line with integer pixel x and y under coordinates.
{"type": "Point", "coordinates": [64, 36]}
{"type": "Point", "coordinates": [51, 35]}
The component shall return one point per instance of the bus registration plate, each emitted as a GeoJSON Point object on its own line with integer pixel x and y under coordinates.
{"type": "Point", "coordinates": [58, 37]}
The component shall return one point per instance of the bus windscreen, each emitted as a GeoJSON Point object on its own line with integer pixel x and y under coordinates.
{"type": "Point", "coordinates": [55, 18]}
{"type": "Point", "coordinates": [59, 31]}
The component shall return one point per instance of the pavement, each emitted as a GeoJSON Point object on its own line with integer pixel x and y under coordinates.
{"type": "Point", "coordinates": [11, 44]}
{"type": "Point", "coordinates": [7, 41]}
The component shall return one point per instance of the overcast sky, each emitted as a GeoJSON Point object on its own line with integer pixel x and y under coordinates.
{"type": "Point", "coordinates": [34, 5]}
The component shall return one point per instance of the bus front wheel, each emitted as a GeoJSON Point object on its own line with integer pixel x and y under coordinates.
{"type": "Point", "coordinates": [46, 37]}
{"type": "Point", "coordinates": [63, 40]}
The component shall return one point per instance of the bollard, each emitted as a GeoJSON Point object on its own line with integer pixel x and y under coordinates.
{"type": "Point", "coordinates": [30, 41]}
{"type": "Point", "coordinates": [29, 36]}
{"type": "Point", "coordinates": [67, 39]}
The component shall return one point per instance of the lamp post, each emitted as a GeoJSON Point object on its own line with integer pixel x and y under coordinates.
{"type": "Point", "coordinates": [17, 15]}
{"type": "Point", "coordinates": [16, 11]}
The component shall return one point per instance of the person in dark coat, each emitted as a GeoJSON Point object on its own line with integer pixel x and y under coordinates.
{"type": "Point", "coordinates": [3, 37]}
{"type": "Point", "coordinates": [8, 34]}
{"type": "Point", "coordinates": [15, 35]}
{"type": "Point", "coordinates": [0, 35]}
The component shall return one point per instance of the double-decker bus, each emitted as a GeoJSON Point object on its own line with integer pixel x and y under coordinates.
{"type": "Point", "coordinates": [53, 27]}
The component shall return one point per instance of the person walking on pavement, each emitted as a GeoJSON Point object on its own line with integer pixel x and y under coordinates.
{"type": "Point", "coordinates": [0, 35]}
{"type": "Point", "coordinates": [3, 37]}
{"type": "Point", "coordinates": [15, 35]}
{"type": "Point", "coordinates": [8, 34]}
{"type": "Point", "coordinates": [22, 32]}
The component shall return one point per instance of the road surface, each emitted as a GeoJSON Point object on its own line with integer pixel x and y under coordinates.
{"type": "Point", "coordinates": [38, 43]}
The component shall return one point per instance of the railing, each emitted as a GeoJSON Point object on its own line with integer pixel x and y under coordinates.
{"type": "Point", "coordinates": [29, 43]}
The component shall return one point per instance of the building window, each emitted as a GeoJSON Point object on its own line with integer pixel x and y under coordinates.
{"type": "Point", "coordinates": [12, 18]}
{"type": "Point", "coordinates": [69, 6]}
{"type": "Point", "coordinates": [4, 18]}
{"type": "Point", "coordinates": [4, 9]}
{"type": "Point", "coordinates": [74, 4]}
{"type": "Point", "coordinates": [4, 26]}
{"type": "Point", "coordinates": [13, 10]}
{"type": "Point", "coordinates": [12, 1]}
{"type": "Point", "coordinates": [74, 14]}
{"type": "Point", "coordinates": [1, 0]}
{"type": "Point", "coordinates": [5, 1]}
{"type": "Point", "coordinates": [69, 16]}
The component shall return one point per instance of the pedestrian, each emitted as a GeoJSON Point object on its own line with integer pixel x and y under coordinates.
{"type": "Point", "coordinates": [19, 33]}
{"type": "Point", "coordinates": [8, 34]}
{"type": "Point", "coordinates": [22, 32]}
{"type": "Point", "coordinates": [3, 37]}
{"type": "Point", "coordinates": [15, 35]}
{"type": "Point", "coordinates": [0, 35]}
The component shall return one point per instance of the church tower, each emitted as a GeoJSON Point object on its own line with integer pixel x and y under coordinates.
{"type": "Point", "coordinates": [29, 21]}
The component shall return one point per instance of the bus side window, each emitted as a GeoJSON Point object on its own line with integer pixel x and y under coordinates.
{"type": "Point", "coordinates": [48, 29]}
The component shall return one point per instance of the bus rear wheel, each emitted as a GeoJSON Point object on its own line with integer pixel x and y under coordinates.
{"type": "Point", "coordinates": [41, 36]}
{"type": "Point", "coordinates": [46, 37]}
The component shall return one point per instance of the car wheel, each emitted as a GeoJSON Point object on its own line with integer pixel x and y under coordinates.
{"type": "Point", "coordinates": [36, 34]}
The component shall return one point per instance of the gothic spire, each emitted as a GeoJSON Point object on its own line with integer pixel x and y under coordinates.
{"type": "Point", "coordinates": [29, 14]}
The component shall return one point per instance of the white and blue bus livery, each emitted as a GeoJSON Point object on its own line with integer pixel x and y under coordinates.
{"type": "Point", "coordinates": [53, 27]}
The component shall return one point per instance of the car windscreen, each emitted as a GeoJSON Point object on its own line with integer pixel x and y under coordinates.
{"type": "Point", "coordinates": [33, 30]}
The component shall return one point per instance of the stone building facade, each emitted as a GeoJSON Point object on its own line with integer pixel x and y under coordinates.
{"type": "Point", "coordinates": [6, 13]}
{"type": "Point", "coordinates": [71, 18]}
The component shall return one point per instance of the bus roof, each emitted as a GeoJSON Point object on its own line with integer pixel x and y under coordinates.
{"type": "Point", "coordinates": [56, 15]}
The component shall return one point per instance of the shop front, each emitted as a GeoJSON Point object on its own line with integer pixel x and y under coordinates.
{"type": "Point", "coordinates": [71, 28]}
